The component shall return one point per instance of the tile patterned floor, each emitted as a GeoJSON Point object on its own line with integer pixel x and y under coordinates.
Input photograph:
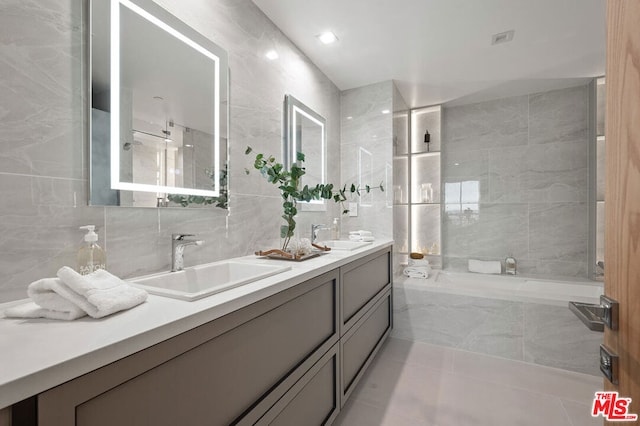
{"type": "Point", "coordinates": [416, 383]}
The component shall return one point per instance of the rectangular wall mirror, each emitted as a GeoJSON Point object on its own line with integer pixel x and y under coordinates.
{"type": "Point", "coordinates": [159, 109]}
{"type": "Point", "coordinates": [305, 131]}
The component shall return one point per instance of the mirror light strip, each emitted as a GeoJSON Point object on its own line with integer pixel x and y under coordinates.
{"type": "Point", "coordinates": [115, 94]}
{"type": "Point", "coordinates": [295, 144]}
{"type": "Point", "coordinates": [164, 189]}
{"type": "Point", "coordinates": [115, 100]}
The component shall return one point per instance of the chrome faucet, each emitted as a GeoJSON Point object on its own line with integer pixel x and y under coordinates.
{"type": "Point", "coordinates": [178, 243]}
{"type": "Point", "coordinates": [314, 231]}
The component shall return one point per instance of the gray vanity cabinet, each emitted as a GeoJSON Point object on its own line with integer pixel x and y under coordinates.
{"type": "Point", "coordinates": [230, 370]}
{"type": "Point", "coordinates": [366, 313]}
{"type": "Point", "coordinates": [290, 359]}
{"type": "Point", "coordinates": [362, 280]}
{"type": "Point", "coordinates": [361, 343]}
{"type": "Point", "coordinates": [314, 400]}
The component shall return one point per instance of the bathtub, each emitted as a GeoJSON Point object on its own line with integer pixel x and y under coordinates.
{"type": "Point", "coordinates": [518, 288]}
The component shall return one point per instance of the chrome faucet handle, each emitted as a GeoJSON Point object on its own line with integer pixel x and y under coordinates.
{"type": "Point", "coordinates": [314, 231]}
{"type": "Point", "coordinates": [181, 236]}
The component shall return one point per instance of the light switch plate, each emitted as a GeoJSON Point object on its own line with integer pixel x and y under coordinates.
{"type": "Point", "coordinates": [353, 209]}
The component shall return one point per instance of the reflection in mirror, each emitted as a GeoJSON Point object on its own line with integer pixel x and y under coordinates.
{"type": "Point", "coordinates": [305, 131]}
{"type": "Point", "coordinates": [159, 108]}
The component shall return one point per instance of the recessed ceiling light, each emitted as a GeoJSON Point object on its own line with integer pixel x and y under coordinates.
{"type": "Point", "coordinates": [456, 164]}
{"type": "Point", "coordinates": [327, 37]}
{"type": "Point", "coordinates": [272, 54]}
{"type": "Point", "coordinates": [504, 37]}
{"type": "Point", "coordinates": [385, 111]}
{"type": "Point", "coordinates": [349, 118]}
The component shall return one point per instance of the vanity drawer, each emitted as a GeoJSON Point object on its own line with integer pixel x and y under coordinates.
{"type": "Point", "coordinates": [362, 341]}
{"type": "Point", "coordinates": [313, 400]}
{"type": "Point", "coordinates": [231, 369]}
{"type": "Point", "coordinates": [360, 282]}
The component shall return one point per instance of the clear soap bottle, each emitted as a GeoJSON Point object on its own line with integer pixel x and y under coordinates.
{"type": "Point", "coordinates": [91, 256]}
{"type": "Point", "coordinates": [335, 229]}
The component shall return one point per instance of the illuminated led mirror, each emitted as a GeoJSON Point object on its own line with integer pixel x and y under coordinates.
{"type": "Point", "coordinates": [305, 131]}
{"type": "Point", "coordinates": [159, 109]}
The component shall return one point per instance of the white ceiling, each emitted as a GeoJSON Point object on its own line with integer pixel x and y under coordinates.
{"type": "Point", "coordinates": [440, 50]}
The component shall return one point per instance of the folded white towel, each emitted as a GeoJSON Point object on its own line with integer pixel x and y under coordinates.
{"type": "Point", "coordinates": [32, 310]}
{"type": "Point", "coordinates": [52, 294]}
{"type": "Point", "coordinates": [485, 266]}
{"type": "Point", "coordinates": [363, 238]}
{"type": "Point", "coordinates": [361, 233]}
{"type": "Point", "coordinates": [100, 293]}
{"type": "Point", "coordinates": [417, 271]}
{"type": "Point", "coordinates": [72, 296]}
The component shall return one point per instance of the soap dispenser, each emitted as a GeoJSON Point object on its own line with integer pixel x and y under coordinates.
{"type": "Point", "coordinates": [91, 256]}
{"type": "Point", "coordinates": [335, 229]}
{"type": "Point", "coordinates": [510, 265]}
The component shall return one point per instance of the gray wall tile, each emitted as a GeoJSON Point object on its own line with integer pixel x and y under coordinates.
{"type": "Point", "coordinates": [371, 130]}
{"type": "Point", "coordinates": [559, 115]}
{"type": "Point", "coordinates": [529, 154]}
{"type": "Point", "coordinates": [42, 121]}
{"type": "Point", "coordinates": [501, 122]}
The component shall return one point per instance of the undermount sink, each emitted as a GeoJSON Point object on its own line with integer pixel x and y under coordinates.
{"type": "Point", "coordinates": [204, 280]}
{"type": "Point", "coordinates": [344, 244]}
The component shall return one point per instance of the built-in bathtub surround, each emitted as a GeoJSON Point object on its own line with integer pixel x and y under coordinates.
{"type": "Point", "coordinates": [515, 182]}
{"type": "Point", "coordinates": [43, 153]}
{"type": "Point", "coordinates": [515, 328]}
{"type": "Point", "coordinates": [367, 157]}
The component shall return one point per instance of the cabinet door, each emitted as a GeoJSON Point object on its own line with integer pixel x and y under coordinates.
{"type": "Point", "coordinates": [360, 282]}
{"type": "Point", "coordinates": [238, 371]}
{"type": "Point", "coordinates": [314, 400]}
{"type": "Point", "coordinates": [361, 343]}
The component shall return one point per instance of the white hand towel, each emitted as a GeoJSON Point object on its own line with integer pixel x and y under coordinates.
{"type": "Point", "coordinates": [99, 293]}
{"type": "Point", "coordinates": [485, 266]}
{"type": "Point", "coordinates": [54, 295]}
{"type": "Point", "coordinates": [417, 271]}
{"type": "Point", "coordinates": [363, 238]}
{"type": "Point", "coordinates": [32, 310]}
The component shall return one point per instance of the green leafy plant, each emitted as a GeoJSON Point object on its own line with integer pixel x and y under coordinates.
{"type": "Point", "coordinates": [221, 201]}
{"type": "Point", "coordinates": [289, 183]}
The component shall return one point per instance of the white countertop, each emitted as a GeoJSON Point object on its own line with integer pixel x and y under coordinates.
{"type": "Point", "coordinates": [39, 354]}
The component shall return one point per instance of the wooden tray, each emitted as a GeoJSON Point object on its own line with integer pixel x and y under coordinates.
{"type": "Point", "coordinates": [283, 255]}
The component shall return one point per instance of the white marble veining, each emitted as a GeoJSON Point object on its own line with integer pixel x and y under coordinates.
{"type": "Point", "coordinates": [43, 169]}
{"type": "Point", "coordinates": [529, 157]}
{"type": "Point", "coordinates": [38, 354]}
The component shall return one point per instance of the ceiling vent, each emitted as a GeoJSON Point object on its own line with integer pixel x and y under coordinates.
{"type": "Point", "coordinates": [504, 37]}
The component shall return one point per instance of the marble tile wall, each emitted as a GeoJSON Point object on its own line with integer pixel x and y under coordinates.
{"type": "Point", "coordinates": [537, 333]}
{"type": "Point", "coordinates": [529, 155]}
{"type": "Point", "coordinates": [365, 126]}
{"type": "Point", "coordinates": [43, 155]}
